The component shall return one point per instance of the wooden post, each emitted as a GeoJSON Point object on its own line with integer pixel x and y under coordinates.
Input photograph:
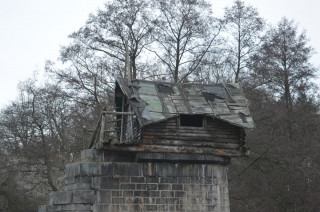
{"type": "Point", "coordinates": [123, 99]}
{"type": "Point", "coordinates": [128, 66]}
{"type": "Point", "coordinates": [94, 136]}
{"type": "Point", "coordinates": [129, 70]}
{"type": "Point", "coordinates": [101, 136]}
{"type": "Point", "coordinates": [122, 120]}
{"type": "Point", "coordinates": [118, 113]}
{"type": "Point", "coordinates": [126, 60]}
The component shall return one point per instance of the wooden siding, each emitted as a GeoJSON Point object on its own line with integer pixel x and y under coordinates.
{"type": "Point", "coordinates": [214, 134]}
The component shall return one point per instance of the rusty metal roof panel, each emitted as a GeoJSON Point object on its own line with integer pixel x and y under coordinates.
{"type": "Point", "coordinates": [154, 101]}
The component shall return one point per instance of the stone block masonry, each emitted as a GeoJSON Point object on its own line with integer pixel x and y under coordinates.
{"type": "Point", "coordinates": [132, 186]}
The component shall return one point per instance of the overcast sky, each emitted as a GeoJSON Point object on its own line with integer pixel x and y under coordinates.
{"type": "Point", "coordinates": [32, 31]}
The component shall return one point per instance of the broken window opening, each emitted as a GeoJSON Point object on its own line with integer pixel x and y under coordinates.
{"type": "Point", "coordinates": [191, 120]}
{"type": "Point", "coordinates": [165, 88]}
{"type": "Point", "coordinates": [213, 97]}
{"type": "Point", "coordinates": [243, 117]}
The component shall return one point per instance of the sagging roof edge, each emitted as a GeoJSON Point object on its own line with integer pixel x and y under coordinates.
{"type": "Point", "coordinates": [143, 124]}
{"type": "Point", "coordinates": [208, 115]}
{"type": "Point", "coordinates": [126, 94]}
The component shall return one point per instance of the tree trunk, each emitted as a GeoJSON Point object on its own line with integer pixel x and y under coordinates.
{"type": "Point", "coordinates": [239, 51]}
{"type": "Point", "coordinates": [176, 69]}
{"type": "Point", "coordinates": [288, 103]}
{"type": "Point", "coordinates": [134, 68]}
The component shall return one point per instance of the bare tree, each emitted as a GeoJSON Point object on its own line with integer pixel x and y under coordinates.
{"type": "Point", "coordinates": [39, 133]}
{"type": "Point", "coordinates": [86, 79]}
{"type": "Point", "coordinates": [106, 33]}
{"type": "Point", "coordinates": [283, 155]}
{"type": "Point", "coordinates": [184, 33]}
{"type": "Point", "coordinates": [243, 30]}
{"type": "Point", "coordinates": [213, 68]}
{"type": "Point", "coordinates": [35, 129]}
{"type": "Point", "coordinates": [280, 174]}
{"type": "Point", "coordinates": [282, 64]}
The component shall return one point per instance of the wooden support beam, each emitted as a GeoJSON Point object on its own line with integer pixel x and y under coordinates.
{"type": "Point", "coordinates": [118, 113]}
{"type": "Point", "coordinates": [94, 136]}
{"type": "Point", "coordinates": [204, 144]}
{"type": "Point", "coordinates": [175, 149]}
{"type": "Point", "coordinates": [101, 136]}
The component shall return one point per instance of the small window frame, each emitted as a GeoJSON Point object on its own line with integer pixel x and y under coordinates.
{"type": "Point", "coordinates": [182, 122]}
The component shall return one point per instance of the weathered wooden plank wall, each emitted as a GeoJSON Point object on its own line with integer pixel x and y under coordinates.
{"type": "Point", "coordinates": [214, 134]}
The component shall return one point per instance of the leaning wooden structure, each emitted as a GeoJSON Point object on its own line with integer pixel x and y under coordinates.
{"type": "Point", "coordinates": [161, 117]}
{"type": "Point", "coordinates": [165, 147]}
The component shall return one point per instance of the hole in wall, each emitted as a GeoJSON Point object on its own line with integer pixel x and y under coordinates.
{"type": "Point", "coordinates": [191, 120]}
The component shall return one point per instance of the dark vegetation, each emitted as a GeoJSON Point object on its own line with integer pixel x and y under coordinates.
{"type": "Point", "coordinates": [181, 41]}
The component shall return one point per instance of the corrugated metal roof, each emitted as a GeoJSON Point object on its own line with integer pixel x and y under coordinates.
{"type": "Point", "coordinates": [154, 101]}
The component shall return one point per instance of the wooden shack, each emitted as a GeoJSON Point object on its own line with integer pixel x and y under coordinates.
{"type": "Point", "coordinates": [165, 147]}
{"type": "Point", "coordinates": [179, 118]}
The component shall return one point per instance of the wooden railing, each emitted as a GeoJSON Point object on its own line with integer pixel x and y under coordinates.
{"type": "Point", "coordinates": [98, 136]}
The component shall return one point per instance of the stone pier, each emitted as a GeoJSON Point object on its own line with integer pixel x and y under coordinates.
{"type": "Point", "coordinates": [98, 185]}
